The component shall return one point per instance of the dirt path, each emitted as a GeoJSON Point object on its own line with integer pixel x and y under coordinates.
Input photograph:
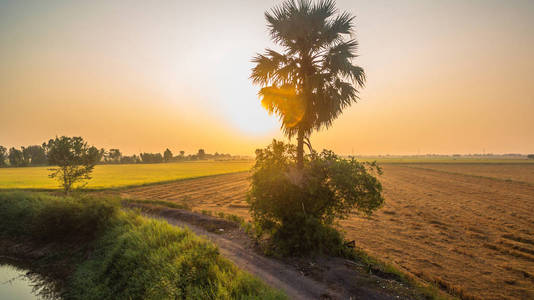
{"type": "Point", "coordinates": [318, 278]}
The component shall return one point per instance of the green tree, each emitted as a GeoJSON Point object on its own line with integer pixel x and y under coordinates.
{"type": "Point", "coordinates": [167, 155]}
{"type": "Point", "coordinates": [114, 156]}
{"type": "Point", "coordinates": [34, 155]}
{"type": "Point", "coordinates": [74, 159]}
{"type": "Point", "coordinates": [300, 207]}
{"type": "Point", "coordinates": [3, 156]}
{"type": "Point", "coordinates": [16, 158]}
{"type": "Point", "coordinates": [201, 154]}
{"type": "Point", "coordinates": [310, 83]}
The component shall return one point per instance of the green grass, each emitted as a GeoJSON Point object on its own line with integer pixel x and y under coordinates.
{"type": "Point", "coordinates": [115, 254]}
{"type": "Point", "coordinates": [117, 176]}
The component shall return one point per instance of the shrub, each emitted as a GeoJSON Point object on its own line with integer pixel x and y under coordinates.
{"type": "Point", "coordinates": [530, 156]}
{"type": "Point", "coordinates": [299, 206]}
{"type": "Point", "coordinates": [72, 219]}
{"type": "Point", "coordinates": [46, 218]}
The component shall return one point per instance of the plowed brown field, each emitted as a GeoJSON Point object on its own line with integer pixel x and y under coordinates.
{"type": "Point", "coordinates": [470, 234]}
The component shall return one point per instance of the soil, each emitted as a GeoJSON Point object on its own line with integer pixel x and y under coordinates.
{"type": "Point", "coordinates": [464, 226]}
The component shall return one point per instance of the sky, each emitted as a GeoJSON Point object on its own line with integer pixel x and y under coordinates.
{"type": "Point", "coordinates": [442, 76]}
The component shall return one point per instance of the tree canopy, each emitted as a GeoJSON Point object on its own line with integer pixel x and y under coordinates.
{"type": "Point", "coordinates": [74, 159]}
{"type": "Point", "coordinates": [314, 78]}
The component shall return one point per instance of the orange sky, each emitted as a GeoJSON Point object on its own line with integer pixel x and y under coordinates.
{"type": "Point", "coordinates": [443, 77]}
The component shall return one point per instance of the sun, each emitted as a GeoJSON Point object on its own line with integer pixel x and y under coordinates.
{"type": "Point", "coordinates": [252, 119]}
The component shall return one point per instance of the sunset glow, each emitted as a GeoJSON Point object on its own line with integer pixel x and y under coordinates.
{"type": "Point", "coordinates": [446, 77]}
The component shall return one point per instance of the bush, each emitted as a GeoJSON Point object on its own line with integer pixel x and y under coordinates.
{"type": "Point", "coordinates": [530, 156]}
{"type": "Point", "coordinates": [46, 218]}
{"type": "Point", "coordinates": [298, 207]}
{"type": "Point", "coordinates": [73, 219]}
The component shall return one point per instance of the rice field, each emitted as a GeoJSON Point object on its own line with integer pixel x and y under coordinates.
{"type": "Point", "coordinates": [466, 227]}
{"type": "Point", "coordinates": [117, 176]}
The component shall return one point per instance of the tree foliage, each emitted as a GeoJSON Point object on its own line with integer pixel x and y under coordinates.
{"type": "Point", "coordinates": [299, 206]}
{"type": "Point", "coordinates": [167, 155]}
{"type": "Point", "coordinates": [16, 158]}
{"type": "Point", "coordinates": [74, 159]}
{"type": "Point", "coordinates": [114, 156]}
{"type": "Point", "coordinates": [201, 154]}
{"type": "Point", "coordinates": [151, 158]}
{"type": "Point", "coordinates": [34, 155]}
{"type": "Point", "coordinates": [313, 79]}
{"type": "Point", "coordinates": [3, 156]}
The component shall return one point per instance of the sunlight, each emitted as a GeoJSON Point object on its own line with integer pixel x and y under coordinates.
{"type": "Point", "coordinates": [251, 118]}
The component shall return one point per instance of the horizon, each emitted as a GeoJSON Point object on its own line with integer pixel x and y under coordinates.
{"type": "Point", "coordinates": [445, 78]}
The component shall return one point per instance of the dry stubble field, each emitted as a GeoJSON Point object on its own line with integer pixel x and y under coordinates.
{"type": "Point", "coordinates": [468, 227]}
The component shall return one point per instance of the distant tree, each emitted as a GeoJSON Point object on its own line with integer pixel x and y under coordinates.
{"type": "Point", "coordinates": [16, 158]}
{"type": "Point", "coordinates": [167, 155]}
{"type": "Point", "coordinates": [25, 156]}
{"type": "Point", "coordinates": [150, 158]}
{"type": "Point", "coordinates": [530, 156]}
{"type": "Point", "coordinates": [201, 154]}
{"type": "Point", "coordinates": [74, 159]}
{"type": "Point", "coordinates": [103, 155]}
{"type": "Point", "coordinates": [134, 159]}
{"type": "Point", "coordinates": [310, 83]}
{"type": "Point", "coordinates": [114, 156]}
{"type": "Point", "coordinates": [3, 156]}
{"type": "Point", "coordinates": [34, 155]}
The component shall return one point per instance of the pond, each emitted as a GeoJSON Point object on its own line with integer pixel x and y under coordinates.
{"type": "Point", "coordinates": [15, 284]}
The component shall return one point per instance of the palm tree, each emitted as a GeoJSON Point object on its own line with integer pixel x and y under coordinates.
{"type": "Point", "coordinates": [310, 83]}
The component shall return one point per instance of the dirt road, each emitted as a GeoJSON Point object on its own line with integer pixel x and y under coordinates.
{"type": "Point", "coordinates": [317, 278]}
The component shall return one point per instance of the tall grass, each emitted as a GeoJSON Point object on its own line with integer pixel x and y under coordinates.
{"type": "Point", "coordinates": [125, 256]}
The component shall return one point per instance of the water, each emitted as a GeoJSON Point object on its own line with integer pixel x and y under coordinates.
{"type": "Point", "coordinates": [15, 285]}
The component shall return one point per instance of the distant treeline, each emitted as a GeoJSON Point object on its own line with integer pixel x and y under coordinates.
{"type": "Point", "coordinates": [37, 155]}
{"type": "Point", "coordinates": [472, 155]}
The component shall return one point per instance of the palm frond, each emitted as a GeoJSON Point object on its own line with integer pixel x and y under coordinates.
{"type": "Point", "coordinates": [286, 104]}
{"type": "Point", "coordinates": [311, 82]}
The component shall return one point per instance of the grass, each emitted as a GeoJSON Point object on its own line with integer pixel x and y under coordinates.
{"type": "Point", "coordinates": [118, 176]}
{"type": "Point", "coordinates": [157, 202]}
{"type": "Point", "coordinates": [115, 254]}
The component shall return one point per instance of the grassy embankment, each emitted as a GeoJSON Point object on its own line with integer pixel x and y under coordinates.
{"type": "Point", "coordinates": [97, 251]}
{"type": "Point", "coordinates": [117, 176]}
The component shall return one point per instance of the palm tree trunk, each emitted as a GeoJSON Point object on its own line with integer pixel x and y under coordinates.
{"type": "Point", "coordinates": [300, 149]}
